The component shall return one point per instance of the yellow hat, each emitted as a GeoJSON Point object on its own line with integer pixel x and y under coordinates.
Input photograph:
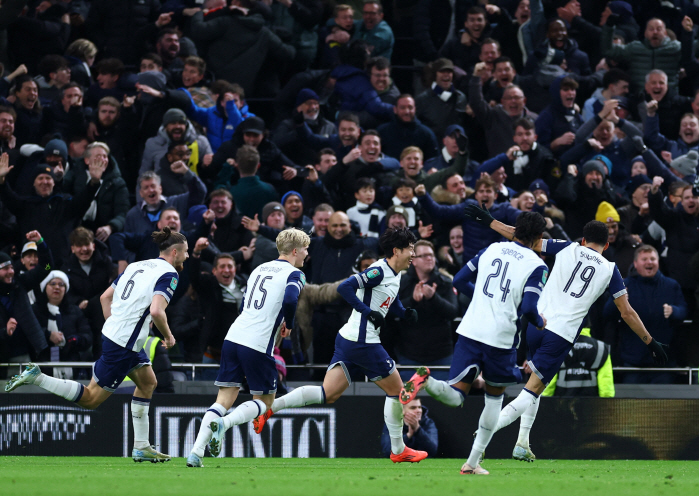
{"type": "Point", "coordinates": [607, 213]}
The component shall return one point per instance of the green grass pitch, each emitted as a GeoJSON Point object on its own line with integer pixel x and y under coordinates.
{"type": "Point", "coordinates": [78, 476]}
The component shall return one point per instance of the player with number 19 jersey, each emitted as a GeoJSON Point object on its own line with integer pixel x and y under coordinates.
{"type": "Point", "coordinates": [129, 322]}
{"type": "Point", "coordinates": [580, 276]}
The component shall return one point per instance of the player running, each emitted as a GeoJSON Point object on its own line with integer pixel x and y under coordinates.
{"type": "Point", "coordinates": [268, 309]}
{"type": "Point", "coordinates": [143, 291]}
{"type": "Point", "coordinates": [579, 277]}
{"type": "Point", "coordinates": [372, 294]}
{"type": "Point", "coordinates": [509, 279]}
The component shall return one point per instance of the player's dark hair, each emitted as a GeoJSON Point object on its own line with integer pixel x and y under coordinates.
{"type": "Point", "coordinates": [166, 239]}
{"type": "Point", "coordinates": [529, 227]}
{"type": "Point", "coordinates": [396, 237]}
{"type": "Point", "coordinates": [596, 232]}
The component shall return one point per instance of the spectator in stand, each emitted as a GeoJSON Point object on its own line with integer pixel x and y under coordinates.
{"type": "Point", "coordinates": [635, 217]}
{"type": "Point", "coordinates": [321, 217]}
{"type": "Point", "coordinates": [551, 35]}
{"type": "Point", "coordinates": [531, 161]}
{"type": "Point", "coordinates": [307, 114]}
{"type": "Point", "coordinates": [175, 128]}
{"type": "Point", "coordinates": [8, 117]}
{"type": "Point", "coordinates": [680, 225]}
{"type": "Point", "coordinates": [220, 120]}
{"type": "Point", "coordinates": [476, 237]}
{"type": "Point", "coordinates": [28, 109]}
{"type": "Point", "coordinates": [109, 72]}
{"type": "Point", "coordinates": [230, 236]}
{"type": "Point", "coordinates": [54, 154]}
{"type": "Point", "coordinates": [353, 86]}
{"type": "Point", "coordinates": [504, 75]}
{"type": "Point", "coordinates": [346, 139]}
{"type": "Point", "coordinates": [656, 51]}
{"type": "Point", "coordinates": [423, 287]}
{"type": "Point", "coordinates": [688, 135]}
{"type": "Point", "coordinates": [146, 213]}
{"type": "Point", "coordinates": [379, 69]}
{"type": "Point", "coordinates": [374, 30]}
{"type": "Point", "coordinates": [66, 115]}
{"type": "Point", "coordinates": [63, 323]}
{"type": "Point", "coordinates": [407, 130]}
{"type": "Point", "coordinates": [107, 212]}
{"type": "Point", "coordinates": [30, 256]}
{"type": "Point", "coordinates": [367, 213]}
{"type": "Point", "coordinates": [448, 152]}
{"type": "Point", "coordinates": [193, 80]}
{"type": "Point", "coordinates": [451, 255]}
{"type": "Point", "coordinates": [364, 161]}
{"type": "Point", "coordinates": [117, 126]}
{"type": "Point", "coordinates": [167, 47]}
{"type": "Point", "coordinates": [218, 30]}
{"type": "Point", "coordinates": [335, 36]}
{"type": "Point", "coordinates": [21, 336]}
{"type": "Point", "coordinates": [90, 271]}
{"type": "Point", "coordinates": [292, 201]}
{"type": "Point", "coordinates": [275, 168]}
{"type": "Point", "coordinates": [622, 244]}
{"type": "Point", "coordinates": [670, 106]}
{"type": "Point", "coordinates": [660, 305]}
{"type": "Point", "coordinates": [579, 195]}
{"type": "Point", "coordinates": [151, 62]}
{"type": "Point", "coordinates": [419, 431]}
{"type": "Point", "coordinates": [441, 105]}
{"type": "Point", "coordinates": [56, 215]}
{"type": "Point", "coordinates": [507, 30]}
{"type": "Point", "coordinates": [557, 123]}
{"type": "Point", "coordinates": [221, 295]}
{"type": "Point", "coordinates": [497, 121]}
{"type": "Point", "coordinates": [251, 193]}
{"type": "Point", "coordinates": [54, 74]}
{"type": "Point", "coordinates": [173, 167]}
{"type": "Point", "coordinates": [81, 55]}
{"type": "Point", "coordinates": [615, 83]}
{"type": "Point", "coordinates": [112, 25]}
{"type": "Point", "coordinates": [301, 19]}
{"type": "Point", "coordinates": [435, 22]}
{"type": "Point", "coordinates": [274, 219]}
{"type": "Point", "coordinates": [464, 46]}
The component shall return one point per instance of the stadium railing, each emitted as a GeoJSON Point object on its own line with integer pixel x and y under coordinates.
{"type": "Point", "coordinates": [196, 366]}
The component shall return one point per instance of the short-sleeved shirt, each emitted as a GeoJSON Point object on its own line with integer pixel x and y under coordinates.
{"type": "Point", "coordinates": [506, 271]}
{"type": "Point", "coordinates": [579, 277]}
{"type": "Point", "coordinates": [134, 290]}
{"type": "Point", "coordinates": [261, 312]}
{"type": "Point", "coordinates": [378, 289]}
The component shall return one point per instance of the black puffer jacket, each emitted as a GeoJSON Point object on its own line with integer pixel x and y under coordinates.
{"type": "Point", "coordinates": [85, 286]}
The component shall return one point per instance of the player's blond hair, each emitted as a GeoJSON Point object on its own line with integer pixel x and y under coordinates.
{"type": "Point", "coordinates": [290, 239]}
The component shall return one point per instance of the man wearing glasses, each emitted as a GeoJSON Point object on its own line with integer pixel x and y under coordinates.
{"type": "Point", "coordinates": [374, 30]}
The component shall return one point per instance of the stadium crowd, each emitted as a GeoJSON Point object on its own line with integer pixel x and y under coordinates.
{"type": "Point", "coordinates": [229, 120]}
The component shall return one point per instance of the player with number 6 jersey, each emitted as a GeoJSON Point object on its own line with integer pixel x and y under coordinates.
{"type": "Point", "coordinates": [138, 296]}
{"type": "Point", "coordinates": [580, 275]}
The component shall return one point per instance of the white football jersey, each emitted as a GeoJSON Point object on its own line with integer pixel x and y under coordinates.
{"type": "Point", "coordinates": [378, 289]}
{"type": "Point", "coordinates": [506, 270]}
{"type": "Point", "coordinates": [579, 276]}
{"type": "Point", "coordinates": [134, 289]}
{"type": "Point", "coordinates": [260, 319]}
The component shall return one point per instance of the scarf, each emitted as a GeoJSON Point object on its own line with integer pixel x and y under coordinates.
{"type": "Point", "coordinates": [443, 94]}
{"type": "Point", "coordinates": [523, 160]}
{"type": "Point", "coordinates": [55, 324]}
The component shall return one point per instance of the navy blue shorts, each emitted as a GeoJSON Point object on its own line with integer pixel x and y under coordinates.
{"type": "Point", "coordinates": [547, 351]}
{"type": "Point", "coordinates": [239, 362]}
{"type": "Point", "coordinates": [115, 364]}
{"type": "Point", "coordinates": [368, 358]}
{"type": "Point", "coordinates": [472, 357]}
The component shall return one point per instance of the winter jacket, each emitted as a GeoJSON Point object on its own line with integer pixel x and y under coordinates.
{"type": "Point", "coordinates": [476, 236]}
{"type": "Point", "coordinates": [112, 197]}
{"type": "Point", "coordinates": [431, 25]}
{"type": "Point", "coordinates": [658, 143]}
{"type": "Point", "coordinates": [300, 19]}
{"type": "Point", "coordinates": [641, 58]}
{"type": "Point", "coordinates": [380, 38]}
{"type": "Point", "coordinates": [647, 295]}
{"type": "Point", "coordinates": [112, 24]}
{"type": "Point", "coordinates": [438, 114]}
{"type": "Point", "coordinates": [398, 135]}
{"type": "Point", "coordinates": [554, 121]}
{"type": "Point", "coordinates": [496, 122]}
{"type": "Point", "coordinates": [219, 128]}
{"type": "Point", "coordinates": [286, 138]}
{"type": "Point", "coordinates": [156, 147]}
{"type": "Point", "coordinates": [356, 93]}
{"type": "Point", "coordinates": [33, 37]}
{"type": "Point", "coordinates": [431, 338]}
{"type": "Point", "coordinates": [332, 259]}
{"type": "Point", "coordinates": [236, 46]}
{"type": "Point", "coordinates": [682, 240]}
{"type": "Point", "coordinates": [84, 286]}
{"type": "Point", "coordinates": [73, 324]}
